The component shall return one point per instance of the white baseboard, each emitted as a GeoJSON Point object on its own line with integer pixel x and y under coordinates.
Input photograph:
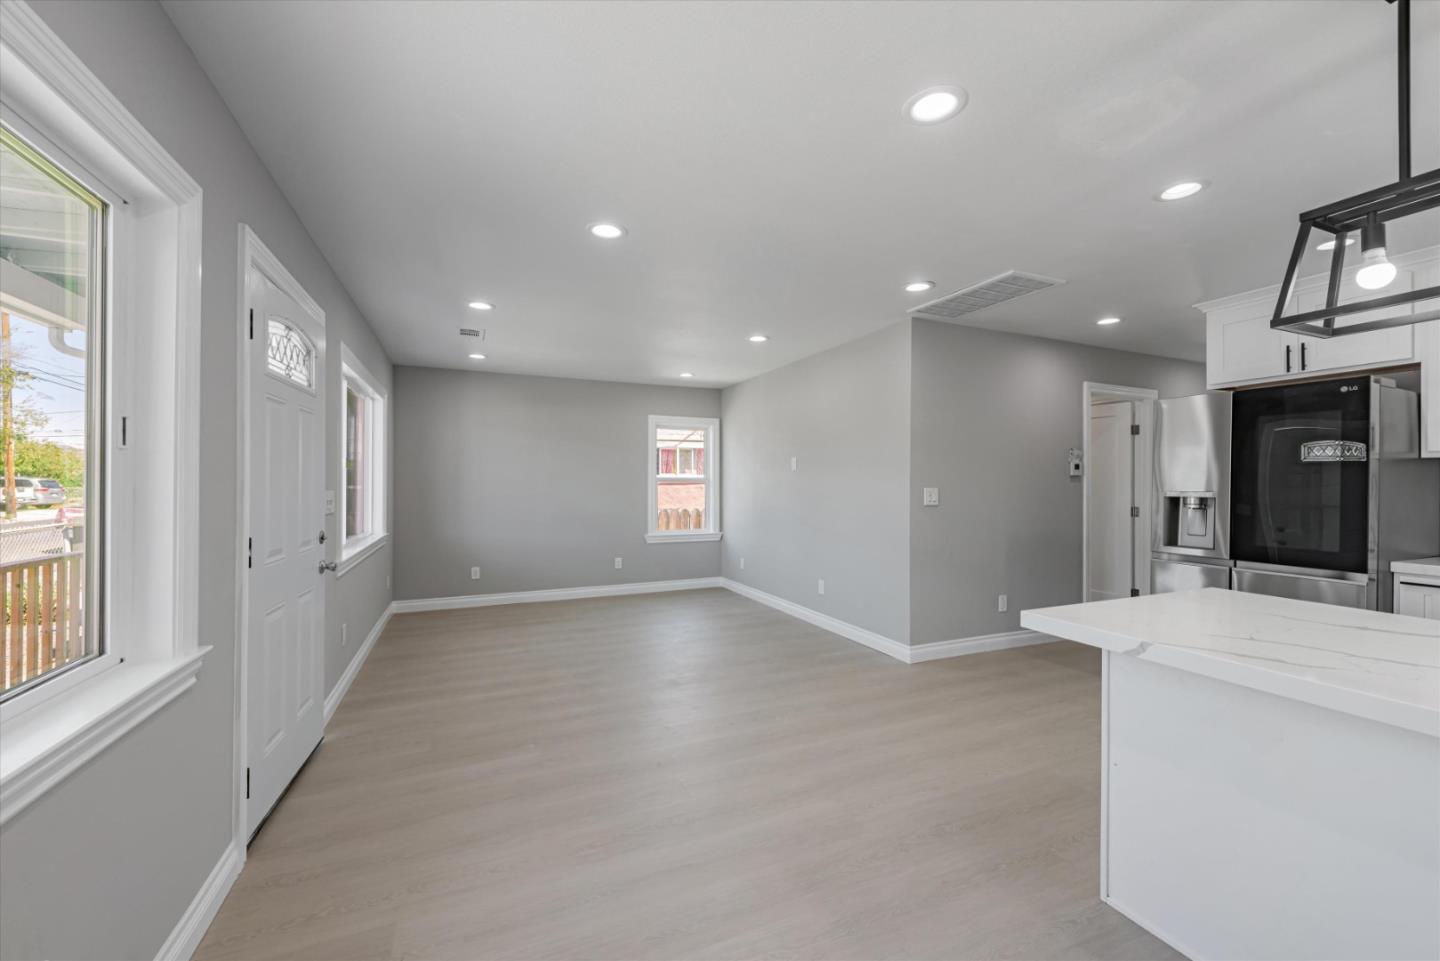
{"type": "Point", "coordinates": [976, 645]}
{"type": "Point", "coordinates": [905, 653]}
{"type": "Point", "coordinates": [879, 642]}
{"type": "Point", "coordinates": [554, 594]}
{"type": "Point", "coordinates": [187, 934]}
{"type": "Point", "coordinates": [332, 700]}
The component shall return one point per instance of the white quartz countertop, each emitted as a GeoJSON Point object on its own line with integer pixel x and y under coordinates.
{"type": "Point", "coordinates": [1424, 566]}
{"type": "Point", "coordinates": [1385, 667]}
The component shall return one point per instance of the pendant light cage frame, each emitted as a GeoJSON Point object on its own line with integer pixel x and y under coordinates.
{"type": "Point", "coordinates": [1367, 213]}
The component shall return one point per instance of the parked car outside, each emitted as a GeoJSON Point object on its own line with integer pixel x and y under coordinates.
{"type": "Point", "coordinates": [25, 493]}
{"type": "Point", "coordinates": [38, 492]}
{"type": "Point", "coordinates": [49, 491]}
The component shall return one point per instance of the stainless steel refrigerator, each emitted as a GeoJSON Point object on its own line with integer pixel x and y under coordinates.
{"type": "Point", "coordinates": [1190, 533]}
{"type": "Point", "coordinates": [1327, 488]}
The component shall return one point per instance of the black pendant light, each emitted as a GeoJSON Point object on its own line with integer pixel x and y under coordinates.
{"type": "Point", "coordinates": [1368, 213]}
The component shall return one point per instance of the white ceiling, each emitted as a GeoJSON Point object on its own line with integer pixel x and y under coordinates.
{"type": "Point", "coordinates": [441, 152]}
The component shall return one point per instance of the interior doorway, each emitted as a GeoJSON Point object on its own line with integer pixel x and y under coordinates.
{"type": "Point", "coordinates": [1117, 459]}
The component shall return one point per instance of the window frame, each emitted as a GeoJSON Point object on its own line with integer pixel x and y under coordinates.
{"type": "Point", "coordinates": [356, 378]}
{"type": "Point", "coordinates": [712, 531]}
{"type": "Point", "coordinates": [100, 399]}
{"type": "Point", "coordinates": [152, 399]}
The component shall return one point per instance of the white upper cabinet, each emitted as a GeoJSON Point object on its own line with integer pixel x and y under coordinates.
{"type": "Point", "coordinates": [1374, 348]}
{"type": "Point", "coordinates": [1241, 347]}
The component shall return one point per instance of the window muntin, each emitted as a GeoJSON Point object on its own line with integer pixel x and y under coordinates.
{"type": "Point", "coordinates": [53, 295]}
{"type": "Point", "coordinates": [683, 494]}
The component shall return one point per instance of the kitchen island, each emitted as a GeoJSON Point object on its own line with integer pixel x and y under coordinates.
{"type": "Point", "coordinates": [1270, 773]}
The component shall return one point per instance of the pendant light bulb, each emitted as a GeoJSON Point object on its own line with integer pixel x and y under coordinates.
{"type": "Point", "coordinates": [1377, 272]}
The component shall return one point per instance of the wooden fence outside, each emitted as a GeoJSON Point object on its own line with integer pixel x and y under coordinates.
{"type": "Point", "coordinates": [44, 622]}
{"type": "Point", "coordinates": [680, 519]}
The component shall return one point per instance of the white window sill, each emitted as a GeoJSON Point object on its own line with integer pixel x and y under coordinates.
{"type": "Point", "coordinates": [682, 537]}
{"type": "Point", "coordinates": [358, 549]}
{"type": "Point", "coordinates": [49, 742]}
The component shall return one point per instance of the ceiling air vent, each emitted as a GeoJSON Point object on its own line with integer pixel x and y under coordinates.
{"type": "Point", "coordinates": [996, 290]}
{"type": "Point", "coordinates": [471, 332]}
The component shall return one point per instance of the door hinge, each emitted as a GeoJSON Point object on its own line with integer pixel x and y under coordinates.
{"type": "Point", "coordinates": [249, 552]}
{"type": "Point", "coordinates": [1135, 429]}
{"type": "Point", "coordinates": [252, 323]}
{"type": "Point", "coordinates": [1134, 592]}
{"type": "Point", "coordinates": [247, 784]}
{"type": "Point", "coordinates": [1134, 512]}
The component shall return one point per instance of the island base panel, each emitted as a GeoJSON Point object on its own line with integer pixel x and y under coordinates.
{"type": "Point", "coordinates": [1239, 823]}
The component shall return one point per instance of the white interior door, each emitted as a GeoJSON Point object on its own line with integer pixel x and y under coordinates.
{"type": "Point", "coordinates": [1110, 493]}
{"type": "Point", "coordinates": [285, 604]}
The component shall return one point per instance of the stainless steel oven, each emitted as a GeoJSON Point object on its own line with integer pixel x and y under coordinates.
{"type": "Point", "coordinates": [1327, 487]}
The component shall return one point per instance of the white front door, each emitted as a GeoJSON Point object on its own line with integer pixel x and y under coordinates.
{"type": "Point", "coordinates": [286, 603]}
{"type": "Point", "coordinates": [1110, 494]}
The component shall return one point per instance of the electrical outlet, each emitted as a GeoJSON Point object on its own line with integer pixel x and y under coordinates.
{"type": "Point", "coordinates": [1003, 604]}
{"type": "Point", "coordinates": [474, 573]}
{"type": "Point", "coordinates": [794, 463]}
{"type": "Point", "coordinates": [932, 497]}
{"type": "Point", "coordinates": [619, 563]}
{"type": "Point", "coordinates": [742, 563]}
{"type": "Point", "coordinates": [344, 634]}
{"type": "Point", "coordinates": [820, 588]}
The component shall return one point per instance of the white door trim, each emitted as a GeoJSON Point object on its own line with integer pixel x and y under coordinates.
{"type": "Point", "coordinates": [1144, 399]}
{"type": "Point", "coordinates": [253, 256]}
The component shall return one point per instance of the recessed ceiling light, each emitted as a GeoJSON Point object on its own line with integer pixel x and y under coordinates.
{"type": "Point", "coordinates": [1181, 190]}
{"type": "Point", "coordinates": [687, 374]}
{"type": "Point", "coordinates": [477, 356]}
{"type": "Point", "coordinates": [607, 231]}
{"type": "Point", "coordinates": [758, 338]}
{"type": "Point", "coordinates": [919, 286]}
{"type": "Point", "coordinates": [1330, 244]}
{"type": "Point", "coordinates": [936, 104]}
{"type": "Point", "coordinates": [1108, 321]}
{"type": "Point", "coordinates": [481, 305]}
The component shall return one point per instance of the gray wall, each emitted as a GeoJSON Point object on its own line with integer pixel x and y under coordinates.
{"type": "Point", "coordinates": [993, 415]}
{"type": "Point", "coordinates": [538, 481]}
{"type": "Point", "coordinates": [106, 863]}
{"type": "Point", "coordinates": [843, 515]}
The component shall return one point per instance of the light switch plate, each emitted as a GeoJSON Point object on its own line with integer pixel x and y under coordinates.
{"type": "Point", "coordinates": [932, 497]}
{"type": "Point", "coordinates": [329, 502]}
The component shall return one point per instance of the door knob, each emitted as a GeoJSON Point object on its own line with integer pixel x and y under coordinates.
{"type": "Point", "coordinates": [327, 566]}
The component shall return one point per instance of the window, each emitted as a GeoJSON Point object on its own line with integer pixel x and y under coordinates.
{"type": "Point", "coordinates": [288, 355]}
{"type": "Point", "coordinates": [362, 461]}
{"type": "Point", "coordinates": [100, 245]}
{"type": "Point", "coordinates": [684, 479]}
{"type": "Point", "coordinates": [52, 416]}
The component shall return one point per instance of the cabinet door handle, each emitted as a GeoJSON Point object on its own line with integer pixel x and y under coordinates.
{"type": "Point", "coordinates": [1287, 358]}
{"type": "Point", "coordinates": [1302, 356]}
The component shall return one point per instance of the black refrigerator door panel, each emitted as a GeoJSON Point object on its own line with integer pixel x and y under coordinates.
{"type": "Point", "coordinates": [1301, 475]}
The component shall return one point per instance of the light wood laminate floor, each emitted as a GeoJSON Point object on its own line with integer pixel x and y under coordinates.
{"type": "Point", "coordinates": [686, 775]}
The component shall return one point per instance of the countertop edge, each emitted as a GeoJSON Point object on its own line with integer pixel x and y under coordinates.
{"type": "Point", "coordinates": [1411, 717]}
{"type": "Point", "coordinates": [1421, 566]}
